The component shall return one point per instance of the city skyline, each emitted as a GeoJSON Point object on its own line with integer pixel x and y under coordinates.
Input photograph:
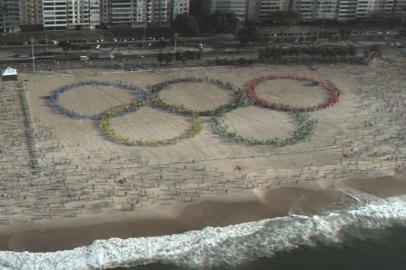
{"type": "Point", "coordinates": [24, 15]}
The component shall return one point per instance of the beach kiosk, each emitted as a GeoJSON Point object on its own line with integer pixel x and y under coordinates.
{"type": "Point", "coordinates": [9, 74]}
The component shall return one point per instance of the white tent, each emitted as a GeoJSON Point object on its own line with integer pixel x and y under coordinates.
{"type": "Point", "coordinates": [9, 73]}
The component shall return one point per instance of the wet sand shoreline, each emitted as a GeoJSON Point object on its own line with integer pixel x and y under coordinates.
{"type": "Point", "coordinates": [178, 218]}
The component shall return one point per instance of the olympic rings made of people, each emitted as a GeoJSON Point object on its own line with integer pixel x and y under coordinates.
{"type": "Point", "coordinates": [304, 131]}
{"type": "Point", "coordinates": [332, 90]}
{"type": "Point", "coordinates": [305, 124]}
{"type": "Point", "coordinates": [186, 110]}
{"type": "Point", "coordinates": [53, 100]}
{"type": "Point", "coordinates": [105, 126]}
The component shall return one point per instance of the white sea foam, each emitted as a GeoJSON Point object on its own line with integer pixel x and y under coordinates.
{"type": "Point", "coordinates": [217, 246]}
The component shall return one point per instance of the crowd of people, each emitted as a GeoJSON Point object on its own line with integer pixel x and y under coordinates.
{"type": "Point", "coordinates": [332, 90]}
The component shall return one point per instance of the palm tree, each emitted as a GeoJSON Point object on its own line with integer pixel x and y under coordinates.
{"type": "Point", "coordinates": [168, 57]}
{"type": "Point", "coordinates": [179, 56]}
{"type": "Point", "coordinates": [160, 57]}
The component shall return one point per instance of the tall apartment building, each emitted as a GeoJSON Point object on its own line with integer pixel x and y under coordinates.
{"type": "Point", "coordinates": [105, 12]}
{"type": "Point", "coordinates": [9, 16]}
{"type": "Point", "coordinates": [160, 13]}
{"type": "Point", "coordinates": [30, 13]}
{"type": "Point", "coordinates": [138, 12]}
{"type": "Point", "coordinates": [71, 14]}
{"type": "Point", "coordinates": [364, 8]}
{"type": "Point", "coordinates": [317, 9]}
{"type": "Point", "coordinates": [400, 6]}
{"type": "Point", "coordinates": [94, 13]}
{"type": "Point", "coordinates": [177, 7]}
{"type": "Point", "coordinates": [252, 10]}
{"type": "Point", "coordinates": [267, 6]}
{"type": "Point", "coordinates": [345, 10]}
{"type": "Point", "coordinates": [238, 7]}
{"type": "Point", "coordinates": [122, 11]}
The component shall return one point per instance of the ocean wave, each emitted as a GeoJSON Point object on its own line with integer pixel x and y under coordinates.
{"type": "Point", "coordinates": [215, 246]}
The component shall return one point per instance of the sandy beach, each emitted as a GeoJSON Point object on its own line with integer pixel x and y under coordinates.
{"type": "Point", "coordinates": [64, 185]}
{"type": "Point", "coordinates": [382, 187]}
{"type": "Point", "coordinates": [216, 212]}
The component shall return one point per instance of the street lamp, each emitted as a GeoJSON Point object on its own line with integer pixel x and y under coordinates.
{"type": "Point", "coordinates": [46, 40]}
{"type": "Point", "coordinates": [144, 33]}
{"type": "Point", "coordinates": [32, 53]}
{"type": "Point", "coordinates": [175, 37]}
{"type": "Point", "coordinates": [144, 30]}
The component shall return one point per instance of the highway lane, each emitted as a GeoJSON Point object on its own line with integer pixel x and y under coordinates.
{"type": "Point", "coordinates": [146, 61]}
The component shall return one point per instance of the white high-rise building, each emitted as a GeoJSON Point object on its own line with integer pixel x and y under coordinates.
{"type": "Point", "coordinates": [94, 13]}
{"type": "Point", "coordinates": [54, 13]}
{"type": "Point", "coordinates": [390, 7]}
{"type": "Point", "coordinates": [345, 10]}
{"type": "Point", "coordinates": [400, 6]}
{"type": "Point", "coordinates": [71, 14]}
{"type": "Point", "coordinates": [317, 9]}
{"type": "Point", "coordinates": [267, 6]}
{"type": "Point", "coordinates": [364, 8]}
{"type": "Point", "coordinates": [177, 7]}
{"type": "Point", "coordinates": [159, 12]}
{"type": "Point", "coordinates": [252, 10]}
{"type": "Point", "coordinates": [138, 12]}
{"type": "Point", "coordinates": [122, 11]}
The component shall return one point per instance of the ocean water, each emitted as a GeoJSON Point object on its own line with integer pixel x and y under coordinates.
{"type": "Point", "coordinates": [370, 235]}
{"type": "Point", "coordinates": [378, 249]}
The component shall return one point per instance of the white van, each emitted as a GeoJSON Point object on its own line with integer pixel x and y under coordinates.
{"type": "Point", "coordinates": [84, 58]}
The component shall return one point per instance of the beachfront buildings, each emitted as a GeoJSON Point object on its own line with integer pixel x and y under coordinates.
{"type": "Point", "coordinates": [251, 10]}
{"type": "Point", "coordinates": [238, 7]}
{"type": "Point", "coordinates": [177, 7]}
{"type": "Point", "coordinates": [30, 14]}
{"type": "Point", "coordinates": [139, 12]}
{"type": "Point", "coordinates": [71, 14]}
{"type": "Point", "coordinates": [91, 14]}
{"type": "Point", "coordinates": [267, 6]}
{"type": "Point", "coordinates": [259, 10]}
{"type": "Point", "coordinates": [105, 12]}
{"type": "Point", "coordinates": [318, 9]}
{"type": "Point", "coordinates": [345, 10]}
{"type": "Point", "coordinates": [341, 10]}
{"type": "Point", "coordinates": [9, 16]}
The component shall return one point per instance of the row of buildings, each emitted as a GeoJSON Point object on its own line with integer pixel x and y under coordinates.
{"type": "Point", "coordinates": [16, 15]}
{"type": "Point", "coordinates": [342, 10]}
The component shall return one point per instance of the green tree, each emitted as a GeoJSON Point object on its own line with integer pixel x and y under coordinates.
{"type": "Point", "coordinates": [378, 16]}
{"type": "Point", "coordinates": [221, 22]}
{"type": "Point", "coordinates": [168, 57]}
{"type": "Point", "coordinates": [282, 17]}
{"type": "Point", "coordinates": [403, 22]}
{"type": "Point", "coordinates": [180, 56]}
{"type": "Point", "coordinates": [249, 34]}
{"type": "Point", "coordinates": [196, 7]}
{"type": "Point", "coordinates": [185, 25]}
{"type": "Point", "coordinates": [160, 57]}
{"type": "Point", "coordinates": [373, 51]}
{"type": "Point", "coordinates": [162, 43]}
{"type": "Point", "coordinates": [345, 33]}
{"type": "Point", "coordinates": [198, 55]}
